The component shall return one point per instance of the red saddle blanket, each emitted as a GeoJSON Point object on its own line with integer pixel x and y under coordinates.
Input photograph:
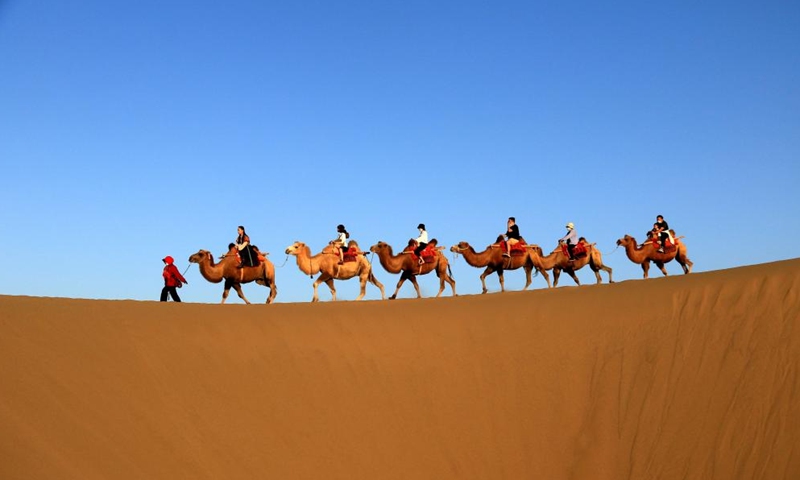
{"type": "Point", "coordinates": [428, 253]}
{"type": "Point", "coordinates": [578, 252]}
{"type": "Point", "coordinates": [349, 254]}
{"type": "Point", "coordinates": [517, 249]}
{"type": "Point", "coordinates": [669, 246]}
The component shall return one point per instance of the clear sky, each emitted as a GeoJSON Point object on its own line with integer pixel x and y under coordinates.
{"type": "Point", "coordinates": [134, 130]}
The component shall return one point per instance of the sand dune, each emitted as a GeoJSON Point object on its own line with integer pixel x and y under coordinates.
{"type": "Point", "coordinates": [690, 377]}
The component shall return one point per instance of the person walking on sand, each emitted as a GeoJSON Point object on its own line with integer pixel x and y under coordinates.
{"type": "Point", "coordinates": [172, 280]}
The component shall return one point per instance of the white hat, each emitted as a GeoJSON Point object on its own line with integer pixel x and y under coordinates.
{"type": "Point", "coordinates": [570, 225]}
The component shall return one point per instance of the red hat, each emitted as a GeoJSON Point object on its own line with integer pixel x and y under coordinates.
{"type": "Point", "coordinates": [168, 260]}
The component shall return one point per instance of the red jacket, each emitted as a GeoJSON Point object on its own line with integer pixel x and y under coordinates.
{"type": "Point", "coordinates": [172, 277]}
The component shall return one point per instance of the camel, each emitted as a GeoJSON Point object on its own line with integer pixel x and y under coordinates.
{"type": "Point", "coordinates": [557, 261]}
{"type": "Point", "coordinates": [492, 258]}
{"type": "Point", "coordinates": [409, 268]}
{"type": "Point", "coordinates": [327, 262]}
{"type": "Point", "coordinates": [227, 269]}
{"type": "Point", "coordinates": [649, 253]}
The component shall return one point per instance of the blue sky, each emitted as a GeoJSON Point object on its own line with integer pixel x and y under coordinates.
{"type": "Point", "coordinates": [134, 130]}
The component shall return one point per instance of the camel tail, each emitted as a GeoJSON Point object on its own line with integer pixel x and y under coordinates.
{"type": "Point", "coordinates": [450, 272]}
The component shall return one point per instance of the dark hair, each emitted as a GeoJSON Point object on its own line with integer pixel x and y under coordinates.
{"type": "Point", "coordinates": [242, 227]}
{"type": "Point", "coordinates": [512, 219]}
{"type": "Point", "coordinates": [659, 216]}
{"type": "Point", "coordinates": [340, 228]}
{"type": "Point", "coordinates": [421, 225]}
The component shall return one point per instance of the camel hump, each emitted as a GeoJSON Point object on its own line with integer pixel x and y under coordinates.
{"type": "Point", "coordinates": [433, 242]}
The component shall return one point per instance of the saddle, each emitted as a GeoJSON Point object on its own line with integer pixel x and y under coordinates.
{"type": "Point", "coordinates": [350, 254]}
{"type": "Point", "coordinates": [517, 249]}
{"type": "Point", "coordinates": [251, 256]}
{"type": "Point", "coordinates": [669, 246]}
{"type": "Point", "coordinates": [579, 251]}
{"type": "Point", "coordinates": [428, 253]}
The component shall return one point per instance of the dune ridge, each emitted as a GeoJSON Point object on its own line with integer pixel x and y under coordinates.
{"type": "Point", "coordinates": [690, 377]}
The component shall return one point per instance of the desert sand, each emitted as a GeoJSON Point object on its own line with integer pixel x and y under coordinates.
{"type": "Point", "coordinates": [684, 377]}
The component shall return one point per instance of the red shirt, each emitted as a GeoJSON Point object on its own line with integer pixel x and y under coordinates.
{"type": "Point", "coordinates": [172, 277]}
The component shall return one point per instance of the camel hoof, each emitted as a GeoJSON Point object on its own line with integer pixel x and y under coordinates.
{"type": "Point", "coordinates": [392, 297]}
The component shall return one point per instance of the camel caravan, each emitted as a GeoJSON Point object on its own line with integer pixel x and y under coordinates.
{"type": "Point", "coordinates": [342, 259]}
{"type": "Point", "coordinates": [529, 257]}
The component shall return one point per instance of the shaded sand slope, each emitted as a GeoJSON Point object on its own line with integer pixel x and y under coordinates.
{"type": "Point", "coordinates": [689, 377]}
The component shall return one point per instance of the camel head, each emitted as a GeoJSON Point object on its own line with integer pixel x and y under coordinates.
{"type": "Point", "coordinates": [625, 241]}
{"type": "Point", "coordinates": [379, 247]}
{"type": "Point", "coordinates": [199, 256]}
{"type": "Point", "coordinates": [460, 247]}
{"type": "Point", "coordinates": [295, 248]}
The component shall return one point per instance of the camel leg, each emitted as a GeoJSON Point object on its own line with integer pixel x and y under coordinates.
{"type": "Point", "coordinates": [317, 282]}
{"type": "Point", "coordinates": [445, 277]}
{"type": "Point", "coordinates": [403, 276]}
{"type": "Point", "coordinates": [413, 279]}
{"type": "Point", "coordinates": [546, 276]}
{"type": "Point", "coordinates": [685, 263]}
{"type": "Point", "coordinates": [528, 280]}
{"type": "Point", "coordinates": [363, 283]}
{"type": "Point", "coordinates": [269, 281]}
{"type": "Point", "coordinates": [597, 274]}
{"type": "Point", "coordinates": [273, 292]}
{"type": "Point", "coordinates": [238, 288]}
{"type": "Point", "coordinates": [646, 268]}
{"type": "Point", "coordinates": [556, 274]}
{"type": "Point", "coordinates": [502, 280]}
{"type": "Point", "coordinates": [571, 273]}
{"type": "Point", "coordinates": [661, 267]}
{"type": "Point", "coordinates": [441, 283]}
{"type": "Point", "coordinates": [596, 271]}
{"type": "Point", "coordinates": [607, 270]}
{"type": "Point", "coordinates": [226, 290]}
{"type": "Point", "coordinates": [315, 298]}
{"type": "Point", "coordinates": [452, 283]}
{"type": "Point", "coordinates": [225, 294]}
{"type": "Point", "coordinates": [331, 287]}
{"type": "Point", "coordinates": [486, 273]}
{"type": "Point", "coordinates": [378, 284]}
{"type": "Point", "coordinates": [596, 265]}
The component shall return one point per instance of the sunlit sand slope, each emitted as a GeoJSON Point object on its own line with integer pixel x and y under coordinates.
{"type": "Point", "coordinates": [685, 377]}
